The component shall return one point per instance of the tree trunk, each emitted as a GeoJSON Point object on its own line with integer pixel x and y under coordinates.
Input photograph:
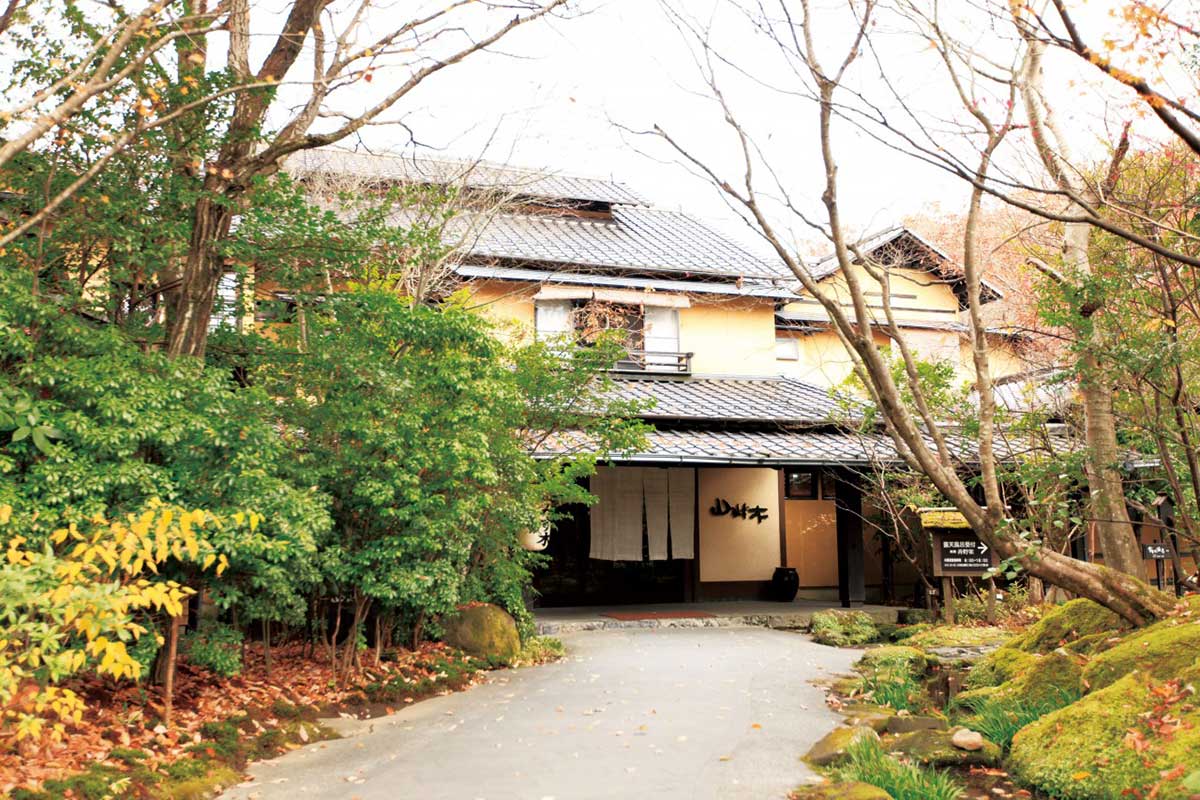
{"type": "Point", "coordinates": [169, 676]}
{"type": "Point", "coordinates": [1105, 485]}
{"type": "Point", "coordinates": [267, 646]}
{"type": "Point", "coordinates": [1125, 595]}
{"type": "Point", "coordinates": [192, 308]}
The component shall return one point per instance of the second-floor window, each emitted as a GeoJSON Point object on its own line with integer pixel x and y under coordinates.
{"type": "Point", "coordinates": [651, 333]}
{"type": "Point", "coordinates": [647, 328]}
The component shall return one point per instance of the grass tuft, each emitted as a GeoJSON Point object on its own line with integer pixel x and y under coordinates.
{"type": "Point", "coordinates": [870, 763]}
{"type": "Point", "coordinates": [999, 718]}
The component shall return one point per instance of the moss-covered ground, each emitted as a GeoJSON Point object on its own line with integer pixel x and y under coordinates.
{"type": "Point", "coordinates": [1081, 706]}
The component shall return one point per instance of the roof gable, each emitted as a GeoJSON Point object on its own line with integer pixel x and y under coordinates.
{"type": "Point", "coordinates": [914, 251]}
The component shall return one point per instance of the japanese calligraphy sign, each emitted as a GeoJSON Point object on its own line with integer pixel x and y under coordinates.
{"type": "Point", "coordinates": [722, 507]}
{"type": "Point", "coordinates": [960, 553]}
{"type": "Point", "coordinates": [1159, 551]}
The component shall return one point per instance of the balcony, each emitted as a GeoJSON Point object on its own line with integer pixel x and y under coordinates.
{"type": "Point", "coordinates": [648, 361]}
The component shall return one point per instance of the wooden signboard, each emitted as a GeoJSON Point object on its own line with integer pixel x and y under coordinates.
{"type": "Point", "coordinates": [1159, 551]}
{"type": "Point", "coordinates": [960, 553]}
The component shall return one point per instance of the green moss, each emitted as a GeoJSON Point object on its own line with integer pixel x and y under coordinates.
{"type": "Point", "coordinates": [843, 628]}
{"type": "Point", "coordinates": [932, 748]}
{"type": "Point", "coordinates": [186, 768]}
{"type": "Point", "coordinates": [1065, 624]}
{"type": "Point", "coordinates": [539, 650]}
{"type": "Point", "coordinates": [854, 790]}
{"type": "Point", "coordinates": [99, 782]}
{"type": "Point", "coordinates": [998, 666]}
{"type": "Point", "coordinates": [833, 748]}
{"type": "Point", "coordinates": [484, 631]}
{"type": "Point", "coordinates": [972, 699]}
{"type": "Point", "coordinates": [285, 710]}
{"type": "Point", "coordinates": [200, 788]}
{"type": "Point", "coordinates": [1080, 752]}
{"type": "Point", "coordinates": [1049, 678]}
{"type": "Point", "coordinates": [128, 755]}
{"type": "Point", "coordinates": [890, 656]}
{"type": "Point", "coordinates": [1162, 650]}
{"type": "Point", "coordinates": [268, 744]}
{"type": "Point", "coordinates": [903, 632]}
{"type": "Point", "coordinates": [958, 636]}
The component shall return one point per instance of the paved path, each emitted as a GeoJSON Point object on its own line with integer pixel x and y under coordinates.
{"type": "Point", "coordinates": [646, 714]}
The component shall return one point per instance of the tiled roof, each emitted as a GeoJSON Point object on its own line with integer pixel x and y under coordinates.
{"type": "Point", "coordinates": [636, 238]}
{"type": "Point", "coordinates": [476, 174]}
{"type": "Point", "coordinates": [725, 445]}
{"type": "Point", "coordinates": [747, 288]}
{"type": "Point", "coordinates": [718, 398]}
{"type": "Point", "coordinates": [950, 271]}
{"type": "Point", "coordinates": [744, 447]}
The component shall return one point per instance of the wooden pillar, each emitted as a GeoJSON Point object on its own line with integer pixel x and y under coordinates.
{"type": "Point", "coordinates": [1166, 517]}
{"type": "Point", "coordinates": [852, 589]}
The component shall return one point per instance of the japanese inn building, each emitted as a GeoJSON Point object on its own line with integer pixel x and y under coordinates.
{"type": "Point", "coordinates": [747, 468]}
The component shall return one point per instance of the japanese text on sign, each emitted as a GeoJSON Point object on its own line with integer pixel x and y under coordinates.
{"type": "Point", "coordinates": [722, 507]}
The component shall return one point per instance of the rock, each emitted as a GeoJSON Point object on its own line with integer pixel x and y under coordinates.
{"type": "Point", "coordinates": [1066, 623]}
{"type": "Point", "coordinates": [893, 657]}
{"type": "Point", "coordinates": [484, 631]}
{"type": "Point", "coordinates": [967, 739]}
{"type": "Point", "coordinates": [998, 666]}
{"type": "Point", "coordinates": [872, 716]}
{"type": "Point", "coordinates": [935, 748]}
{"type": "Point", "coordinates": [1084, 750]}
{"type": "Point", "coordinates": [847, 686]}
{"type": "Point", "coordinates": [843, 628]}
{"type": "Point", "coordinates": [1161, 650]}
{"type": "Point", "coordinates": [841, 791]}
{"type": "Point", "coordinates": [910, 723]}
{"type": "Point", "coordinates": [832, 748]}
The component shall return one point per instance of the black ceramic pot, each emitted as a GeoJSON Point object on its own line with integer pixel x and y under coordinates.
{"type": "Point", "coordinates": [784, 584]}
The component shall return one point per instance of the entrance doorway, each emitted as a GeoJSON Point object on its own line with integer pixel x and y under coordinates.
{"type": "Point", "coordinates": [573, 579]}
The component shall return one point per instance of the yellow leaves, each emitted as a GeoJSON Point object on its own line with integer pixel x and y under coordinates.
{"type": "Point", "coordinates": [1081, 775]}
{"type": "Point", "coordinates": [89, 585]}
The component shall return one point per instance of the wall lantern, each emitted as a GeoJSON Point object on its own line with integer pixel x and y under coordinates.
{"type": "Point", "coordinates": [536, 540]}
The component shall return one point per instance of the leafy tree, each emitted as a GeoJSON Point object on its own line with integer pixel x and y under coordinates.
{"type": "Point", "coordinates": [121, 426]}
{"type": "Point", "coordinates": [419, 424]}
{"type": "Point", "coordinates": [71, 605]}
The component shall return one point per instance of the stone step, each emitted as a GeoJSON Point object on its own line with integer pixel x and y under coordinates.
{"type": "Point", "coordinates": [790, 620]}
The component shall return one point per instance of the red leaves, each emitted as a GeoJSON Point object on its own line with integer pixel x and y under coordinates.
{"type": "Point", "coordinates": [127, 715]}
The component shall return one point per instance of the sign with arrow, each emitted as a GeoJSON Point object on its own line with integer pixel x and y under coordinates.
{"type": "Point", "coordinates": [1159, 551]}
{"type": "Point", "coordinates": [961, 553]}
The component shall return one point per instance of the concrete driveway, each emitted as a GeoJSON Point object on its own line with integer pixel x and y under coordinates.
{"type": "Point", "coordinates": [659, 713]}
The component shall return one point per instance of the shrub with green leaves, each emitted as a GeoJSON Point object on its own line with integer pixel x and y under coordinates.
{"type": "Point", "coordinates": [215, 647]}
{"type": "Point", "coordinates": [868, 762]}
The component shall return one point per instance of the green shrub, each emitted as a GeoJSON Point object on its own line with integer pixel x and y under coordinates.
{"type": "Point", "coordinates": [843, 628]}
{"type": "Point", "coordinates": [215, 647]}
{"type": "Point", "coordinates": [870, 763]}
{"type": "Point", "coordinates": [539, 650]}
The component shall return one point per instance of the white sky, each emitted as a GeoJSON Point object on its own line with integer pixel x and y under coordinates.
{"type": "Point", "coordinates": [554, 106]}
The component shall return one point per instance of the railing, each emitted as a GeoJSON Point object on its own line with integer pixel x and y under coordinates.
{"type": "Point", "coordinates": [647, 361]}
